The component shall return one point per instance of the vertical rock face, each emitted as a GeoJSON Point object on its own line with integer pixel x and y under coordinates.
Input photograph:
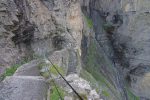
{"type": "Point", "coordinates": [116, 41]}
{"type": "Point", "coordinates": [122, 27]}
{"type": "Point", "coordinates": [36, 27]}
{"type": "Point", "coordinates": [8, 52]}
{"type": "Point", "coordinates": [134, 35]}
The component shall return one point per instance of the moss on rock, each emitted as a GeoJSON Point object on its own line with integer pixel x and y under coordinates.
{"type": "Point", "coordinates": [94, 65]}
{"type": "Point", "coordinates": [47, 69]}
{"type": "Point", "coordinates": [89, 22]}
{"type": "Point", "coordinates": [54, 93]}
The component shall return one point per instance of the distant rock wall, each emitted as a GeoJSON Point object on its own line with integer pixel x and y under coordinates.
{"type": "Point", "coordinates": [121, 27]}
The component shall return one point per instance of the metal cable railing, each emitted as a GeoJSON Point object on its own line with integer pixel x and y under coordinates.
{"type": "Point", "coordinates": [65, 80]}
{"type": "Point", "coordinates": [49, 71]}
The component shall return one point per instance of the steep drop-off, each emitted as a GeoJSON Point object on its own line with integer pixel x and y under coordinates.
{"type": "Point", "coordinates": [121, 30]}
{"type": "Point", "coordinates": [106, 42]}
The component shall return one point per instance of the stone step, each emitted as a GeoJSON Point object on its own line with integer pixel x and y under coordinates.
{"type": "Point", "coordinates": [23, 88]}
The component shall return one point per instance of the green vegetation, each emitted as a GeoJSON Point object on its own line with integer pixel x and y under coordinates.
{"type": "Point", "coordinates": [83, 96]}
{"type": "Point", "coordinates": [89, 22]}
{"type": "Point", "coordinates": [54, 94]}
{"type": "Point", "coordinates": [51, 70]}
{"type": "Point", "coordinates": [87, 76]}
{"type": "Point", "coordinates": [131, 96]}
{"type": "Point", "coordinates": [105, 93]}
{"type": "Point", "coordinates": [92, 72]}
{"type": "Point", "coordinates": [94, 62]}
{"type": "Point", "coordinates": [11, 70]}
{"type": "Point", "coordinates": [45, 74]}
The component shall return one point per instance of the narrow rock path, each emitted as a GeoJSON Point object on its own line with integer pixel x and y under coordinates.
{"type": "Point", "coordinates": [25, 84]}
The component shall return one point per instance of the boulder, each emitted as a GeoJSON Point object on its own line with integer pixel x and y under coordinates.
{"type": "Point", "coordinates": [82, 87]}
{"type": "Point", "coordinates": [29, 69]}
{"type": "Point", "coordinates": [23, 88]}
{"type": "Point", "coordinates": [68, 98]}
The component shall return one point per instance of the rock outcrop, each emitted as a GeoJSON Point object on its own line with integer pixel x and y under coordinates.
{"type": "Point", "coordinates": [25, 84]}
{"type": "Point", "coordinates": [82, 87]}
{"type": "Point", "coordinates": [108, 38]}
{"type": "Point", "coordinates": [38, 28]}
{"type": "Point", "coordinates": [136, 39]}
{"type": "Point", "coordinates": [9, 54]}
{"type": "Point", "coordinates": [23, 88]}
{"type": "Point", "coordinates": [28, 84]}
{"type": "Point", "coordinates": [121, 27]}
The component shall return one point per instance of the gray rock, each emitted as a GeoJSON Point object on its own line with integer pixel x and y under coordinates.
{"type": "Point", "coordinates": [140, 85]}
{"type": "Point", "coordinates": [129, 43]}
{"type": "Point", "coordinates": [134, 36]}
{"type": "Point", "coordinates": [44, 20]}
{"type": "Point", "coordinates": [23, 88]}
{"type": "Point", "coordinates": [82, 87]}
{"type": "Point", "coordinates": [9, 54]}
{"type": "Point", "coordinates": [60, 58]}
{"type": "Point", "coordinates": [29, 69]}
{"type": "Point", "coordinates": [73, 62]}
{"type": "Point", "coordinates": [94, 95]}
{"type": "Point", "coordinates": [68, 98]}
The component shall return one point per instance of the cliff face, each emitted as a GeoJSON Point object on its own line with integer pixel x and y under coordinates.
{"type": "Point", "coordinates": [134, 35]}
{"type": "Point", "coordinates": [121, 27]}
{"type": "Point", "coordinates": [32, 28]}
{"type": "Point", "coordinates": [105, 41]}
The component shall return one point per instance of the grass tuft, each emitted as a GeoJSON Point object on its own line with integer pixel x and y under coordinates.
{"type": "Point", "coordinates": [12, 69]}
{"type": "Point", "coordinates": [105, 93]}
{"type": "Point", "coordinates": [89, 22]}
{"type": "Point", "coordinates": [131, 96]}
{"type": "Point", "coordinates": [53, 70]}
{"type": "Point", "coordinates": [54, 94]}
